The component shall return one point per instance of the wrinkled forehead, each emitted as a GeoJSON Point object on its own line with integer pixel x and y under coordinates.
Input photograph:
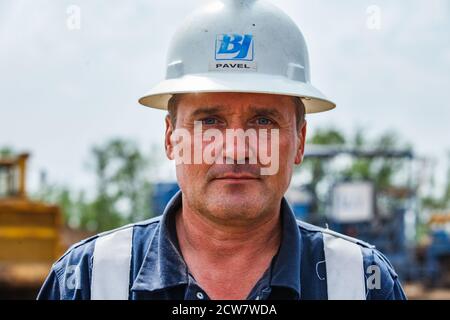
{"type": "Point", "coordinates": [235, 103]}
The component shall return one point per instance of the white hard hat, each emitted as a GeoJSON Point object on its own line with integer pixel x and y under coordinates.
{"type": "Point", "coordinates": [247, 46]}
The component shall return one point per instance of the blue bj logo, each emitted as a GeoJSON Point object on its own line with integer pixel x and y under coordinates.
{"type": "Point", "coordinates": [234, 47]}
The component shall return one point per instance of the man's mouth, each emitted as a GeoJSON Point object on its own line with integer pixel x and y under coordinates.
{"type": "Point", "coordinates": [237, 178]}
{"type": "Point", "coordinates": [234, 173]}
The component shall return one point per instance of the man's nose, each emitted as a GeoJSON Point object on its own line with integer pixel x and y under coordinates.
{"type": "Point", "coordinates": [239, 146]}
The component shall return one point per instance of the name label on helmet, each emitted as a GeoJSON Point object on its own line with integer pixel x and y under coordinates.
{"type": "Point", "coordinates": [230, 65]}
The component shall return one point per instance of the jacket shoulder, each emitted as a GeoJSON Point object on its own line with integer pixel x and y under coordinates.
{"type": "Point", "coordinates": [82, 245]}
{"type": "Point", "coordinates": [309, 228]}
{"type": "Point", "coordinates": [71, 273]}
{"type": "Point", "coordinates": [381, 278]}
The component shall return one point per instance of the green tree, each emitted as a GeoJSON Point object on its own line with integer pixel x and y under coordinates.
{"type": "Point", "coordinates": [122, 190]}
{"type": "Point", "coordinates": [318, 167]}
{"type": "Point", "coordinates": [440, 202]}
{"type": "Point", "coordinates": [380, 170]}
{"type": "Point", "coordinates": [446, 199]}
{"type": "Point", "coordinates": [6, 152]}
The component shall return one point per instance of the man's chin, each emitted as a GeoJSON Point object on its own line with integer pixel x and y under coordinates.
{"type": "Point", "coordinates": [231, 205]}
{"type": "Point", "coordinates": [240, 201]}
{"type": "Point", "coordinates": [236, 193]}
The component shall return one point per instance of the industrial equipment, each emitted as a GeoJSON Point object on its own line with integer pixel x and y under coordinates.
{"type": "Point", "coordinates": [29, 233]}
{"type": "Point", "coordinates": [438, 251]}
{"type": "Point", "coordinates": [385, 217]}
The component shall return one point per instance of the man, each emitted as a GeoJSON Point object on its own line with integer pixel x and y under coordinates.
{"type": "Point", "coordinates": [236, 68]}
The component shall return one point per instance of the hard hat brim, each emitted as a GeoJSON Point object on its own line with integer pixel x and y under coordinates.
{"type": "Point", "coordinates": [312, 98]}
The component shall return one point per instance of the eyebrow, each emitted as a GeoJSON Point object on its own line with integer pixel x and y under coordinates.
{"type": "Point", "coordinates": [260, 111]}
{"type": "Point", "coordinates": [266, 111]}
{"type": "Point", "coordinates": [206, 111]}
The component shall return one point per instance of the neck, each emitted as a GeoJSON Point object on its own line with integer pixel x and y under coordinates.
{"type": "Point", "coordinates": [227, 259]}
{"type": "Point", "coordinates": [216, 241]}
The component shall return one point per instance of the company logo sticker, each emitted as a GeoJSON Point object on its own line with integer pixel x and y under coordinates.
{"type": "Point", "coordinates": [234, 52]}
{"type": "Point", "coordinates": [234, 47]}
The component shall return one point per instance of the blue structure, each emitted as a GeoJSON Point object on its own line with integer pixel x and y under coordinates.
{"type": "Point", "coordinates": [162, 193]}
{"type": "Point", "coordinates": [302, 201]}
{"type": "Point", "coordinates": [438, 257]}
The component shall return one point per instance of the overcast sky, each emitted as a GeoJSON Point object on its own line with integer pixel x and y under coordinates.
{"type": "Point", "coordinates": [63, 90]}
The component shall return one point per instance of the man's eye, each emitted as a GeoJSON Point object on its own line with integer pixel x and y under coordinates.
{"type": "Point", "coordinates": [209, 121]}
{"type": "Point", "coordinates": [264, 121]}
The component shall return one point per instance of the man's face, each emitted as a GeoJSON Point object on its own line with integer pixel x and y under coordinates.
{"type": "Point", "coordinates": [235, 193]}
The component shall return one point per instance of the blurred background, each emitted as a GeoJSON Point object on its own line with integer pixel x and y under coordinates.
{"type": "Point", "coordinates": [79, 155]}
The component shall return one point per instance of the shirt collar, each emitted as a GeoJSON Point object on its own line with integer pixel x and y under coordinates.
{"type": "Point", "coordinates": [286, 264]}
{"type": "Point", "coordinates": [164, 267]}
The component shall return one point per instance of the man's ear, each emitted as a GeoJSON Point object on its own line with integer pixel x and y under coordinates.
{"type": "Point", "coordinates": [168, 141]}
{"type": "Point", "coordinates": [301, 145]}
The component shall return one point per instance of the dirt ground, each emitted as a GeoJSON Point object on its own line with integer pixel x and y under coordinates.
{"type": "Point", "coordinates": [417, 291]}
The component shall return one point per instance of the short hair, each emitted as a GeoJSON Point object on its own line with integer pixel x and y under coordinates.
{"type": "Point", "coordinates": [173, 105]}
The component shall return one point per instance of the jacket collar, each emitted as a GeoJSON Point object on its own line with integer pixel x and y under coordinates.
{"type": "Point", "coordinates": [286, 264]}
{"type": "Point", "coordinates": [163, 266]}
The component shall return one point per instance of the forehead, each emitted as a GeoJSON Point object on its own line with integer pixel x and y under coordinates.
{"type": "Point", "coordinates": [235, 102]}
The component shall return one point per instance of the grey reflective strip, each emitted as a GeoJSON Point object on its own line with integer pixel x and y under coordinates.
{"type": "Point", "coordinates": [345, 269]}
{"type": "Point", "coordinates": [111, 266]}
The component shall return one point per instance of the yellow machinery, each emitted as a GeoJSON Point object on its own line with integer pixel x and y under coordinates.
{"type": "Point", "coordinates": [29, 233]}
{"type": "Point", "coordinates": [438, 251]}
